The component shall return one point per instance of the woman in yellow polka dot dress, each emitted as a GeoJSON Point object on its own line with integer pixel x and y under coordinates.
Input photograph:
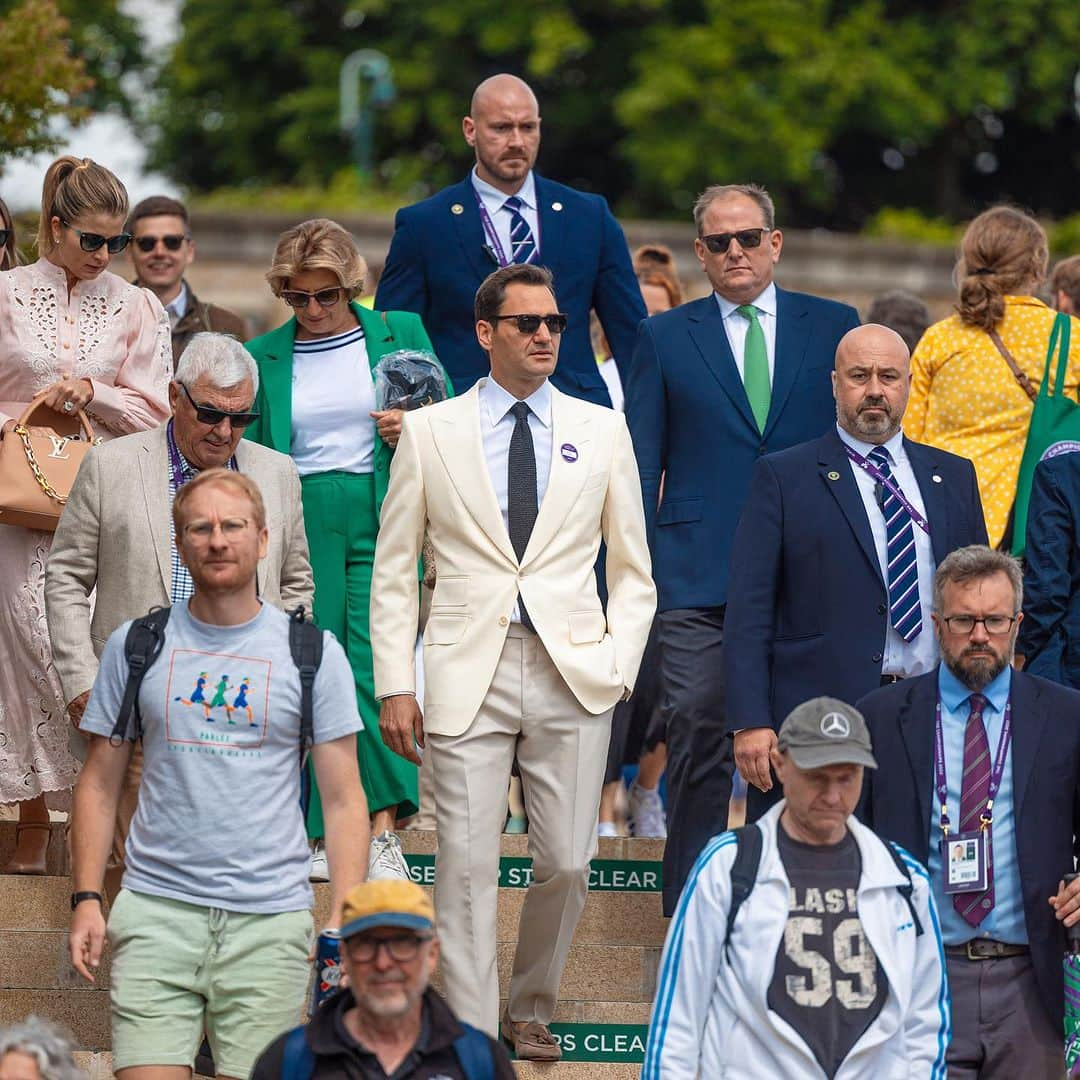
{"type": "Point", "coordinates": [964, 398]}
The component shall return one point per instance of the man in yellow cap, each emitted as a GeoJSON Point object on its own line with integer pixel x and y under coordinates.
{"type": "Point", "coordinates": [386, 1021]}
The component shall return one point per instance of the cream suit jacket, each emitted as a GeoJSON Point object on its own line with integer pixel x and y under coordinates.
{"type": "Point", "coordinates": [114, 534]}
{"type": "Point", "coordinates": [439, 484]}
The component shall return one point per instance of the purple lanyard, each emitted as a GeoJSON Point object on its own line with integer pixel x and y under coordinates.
{"type": "Point", "coordinates": [987, 817]}
{"type": "Point", "coordinates": [493, 236]}
{"type": "Point", "coordinates": [869, 467]}
{"type": "Point", "coordinates": [176, 464]}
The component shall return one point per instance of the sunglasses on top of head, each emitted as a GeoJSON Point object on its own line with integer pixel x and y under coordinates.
{"type": "Point", "coordinates": [718, 243]}
{"type": "Point", "coordinates": [529, 324]}
{"type": "Point", "coordinates": [207, 414]}
{"type": "Point", "coordinates": [146, 244]}
{"type": "Point", "coordinates": [89, 241]}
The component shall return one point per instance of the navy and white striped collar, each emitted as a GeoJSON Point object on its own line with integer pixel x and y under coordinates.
{"type": "Point", "coordinates": [328, 344]}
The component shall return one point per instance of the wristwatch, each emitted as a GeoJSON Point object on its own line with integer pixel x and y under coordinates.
{"type": "Point", "coordinates": [78, 897]}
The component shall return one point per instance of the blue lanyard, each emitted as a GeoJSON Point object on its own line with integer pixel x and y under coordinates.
{"type": "Point", "coordinates": [869, 467]}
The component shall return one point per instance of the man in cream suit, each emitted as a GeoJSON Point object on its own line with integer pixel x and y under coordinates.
{"type": "Point", "coordinates": [516, 485]}
{"type": "Point", "coordinates": [115, 534]}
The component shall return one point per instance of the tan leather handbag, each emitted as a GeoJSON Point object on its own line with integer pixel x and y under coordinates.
{"type": "Point", "coordinates": [37, 471]}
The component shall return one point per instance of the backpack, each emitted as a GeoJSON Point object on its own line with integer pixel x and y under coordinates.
{"type": "Point", "coordinates": [471, 1047]}
{"type": "Point", "coordinates": [744, 870]}
{"type": "Point", "coordinates": [145, 640]}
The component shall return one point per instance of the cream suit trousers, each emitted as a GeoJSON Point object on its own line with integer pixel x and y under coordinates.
{"type": "Point", "coordinates": [561, 750]}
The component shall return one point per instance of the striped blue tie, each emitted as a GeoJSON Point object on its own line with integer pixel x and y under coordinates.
{"type": "Point", "coordinates": [905, 612]}
{"type": "Point", "coordinates": [522, 244]}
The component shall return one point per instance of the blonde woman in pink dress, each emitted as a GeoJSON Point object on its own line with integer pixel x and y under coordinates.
{"type": "Point", "coordinates": [94, 342]}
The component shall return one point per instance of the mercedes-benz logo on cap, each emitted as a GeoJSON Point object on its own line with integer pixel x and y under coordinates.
{"type": "Point", "coordinates": [835, 726]}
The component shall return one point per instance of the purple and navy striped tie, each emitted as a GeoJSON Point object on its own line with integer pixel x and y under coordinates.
{"type": "Point", "coordinates": [974, 792]}
{"type": "Point", "coordinates": [905, 611]}
{"type": "Point", "coordinates": [522, 244]}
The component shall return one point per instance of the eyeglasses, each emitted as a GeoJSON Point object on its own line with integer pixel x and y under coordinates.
{"type": "Point", "coordinates": [529, 324]}
{"type": "Point", "coordinates": [146, 244]}
{"type": "Point", "coordinates": [207, 414]}
{"type": "Point", "coordinates": [90, 241]}
{"type": "Point", "coordinates": [231, 528]}
{"type": "Point", "coordinates": [718, 243]}
{"type": "Point", "coordinates": [323, 297]}
{"type": "Point", "coordinates": [402, 947]}
{"type": "Point", "coordinates": [964, 624]}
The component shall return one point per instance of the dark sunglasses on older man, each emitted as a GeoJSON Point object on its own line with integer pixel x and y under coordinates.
{"type": "Point", "coordinates": [323, 297]}
{"type": "Point", "coordinates": [529, 324]}
{"type": "Point", "coordinates": [718, 243]}
{"type": "Point", "coordinates": [146, 244]}
{"type": "Point", "coordinates": [90, 241]}
{"type": "Point", "coordinates": [209, 415]}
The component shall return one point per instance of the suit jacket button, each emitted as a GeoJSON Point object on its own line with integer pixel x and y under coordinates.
{"type": "Point", "coordinates": [503, 620]}
{"type": "Point", "coordinates": [881, 609]}
{"type": "Point", "coordinates": [877, 658]}
{"type": "Point", "coordinates": [762, 449]}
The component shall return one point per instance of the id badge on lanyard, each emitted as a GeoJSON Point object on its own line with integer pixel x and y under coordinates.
{"type": "Point", "coordinates": [965, 856]}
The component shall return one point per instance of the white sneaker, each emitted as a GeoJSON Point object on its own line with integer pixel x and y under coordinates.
{"type": "Point", "coordinates": [318, 871]}
{"type": "Point", "coordinates": [606, 828]}
{"type": "Point", "coordinates": [646, 813]}
{"type": "Point", "coordinates": [386, 860]}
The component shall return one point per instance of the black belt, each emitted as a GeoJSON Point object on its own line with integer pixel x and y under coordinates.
{"type": "Point", "coordinates": [984, 949]}
{"type": "Point", "coordinates": [888, 680]}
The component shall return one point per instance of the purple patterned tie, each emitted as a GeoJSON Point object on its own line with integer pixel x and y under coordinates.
{"type": "Point", "coordinates": [974, 791]}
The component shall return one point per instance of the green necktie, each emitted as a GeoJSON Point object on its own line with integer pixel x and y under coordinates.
{"type": "Point", "coordinates": [756, 367]}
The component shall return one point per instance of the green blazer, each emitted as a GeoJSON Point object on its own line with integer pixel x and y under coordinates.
{"type": "Point", "coordinates": [273, 352]}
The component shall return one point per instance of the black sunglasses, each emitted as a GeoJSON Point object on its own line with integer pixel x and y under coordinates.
{"type": "Point", "coordinates": [718, 243]}
{"type": "Point", "coordinates": [90, 241]}
{"type": "Point", "coordinates": [209, 415]}
{"type": "Point", "coordinates": [147, 244]}
{"type": "Point", "coordinates": [529, 324]}
{"type": "Point", "coordinates": [324, 297]}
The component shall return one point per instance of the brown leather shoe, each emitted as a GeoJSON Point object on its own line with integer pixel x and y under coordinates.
{"type": "Point", "coordinates": [530, 1041]}
{"type": "Point", "coordinates": [31, 849]}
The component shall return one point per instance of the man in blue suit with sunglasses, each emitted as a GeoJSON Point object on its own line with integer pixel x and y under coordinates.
{"type": "Point", "coordinates": [504, 213]}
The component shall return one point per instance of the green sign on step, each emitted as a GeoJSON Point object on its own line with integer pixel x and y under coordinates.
{"type": "Point", "coordinates": [515, 872]}
{"type": "Point", "coordinates": [622, 1044]}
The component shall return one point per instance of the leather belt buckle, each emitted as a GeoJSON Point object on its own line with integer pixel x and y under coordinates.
{"type": "Point", "coordinates": [982, 949]}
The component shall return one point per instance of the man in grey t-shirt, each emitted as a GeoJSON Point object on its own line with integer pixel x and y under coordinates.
{"type": "Point", "coordinates": [213, 925]}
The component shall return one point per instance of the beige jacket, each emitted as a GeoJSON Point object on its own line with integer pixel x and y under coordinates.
{"type": "Point", "coordinates": [114, 536]}
{"type": "Point", "coordinates": [439, 484]}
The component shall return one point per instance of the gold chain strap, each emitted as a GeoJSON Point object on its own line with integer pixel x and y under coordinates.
{"type": "Point", "coordinates": [31, 460]}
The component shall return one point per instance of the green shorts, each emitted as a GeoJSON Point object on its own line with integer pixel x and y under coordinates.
{"type": "Point", "coordinates": [179, 969]}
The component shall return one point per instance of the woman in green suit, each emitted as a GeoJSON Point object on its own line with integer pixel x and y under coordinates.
{"type": "Point", "coordinates": [316, 402]}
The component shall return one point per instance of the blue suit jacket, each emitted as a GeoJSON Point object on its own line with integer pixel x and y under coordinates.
{"type": "Point", "coordinates": [690, 420]}
{"type": "Point", "coordinates": [807, 606]}
{"type": "Point", "coordinates": [1050, 633]}
{"type": "Point", "coordinates": [1046, 783]}
{"type": "Point", "coordinates": [437, 261]}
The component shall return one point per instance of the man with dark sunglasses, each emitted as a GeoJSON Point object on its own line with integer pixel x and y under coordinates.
{"type": "Point", "coordinates": [714, 385]}
{"type": "Point", "coordinates": [162, 248]}
{"type": "Point", "coordinates": [116, 533]}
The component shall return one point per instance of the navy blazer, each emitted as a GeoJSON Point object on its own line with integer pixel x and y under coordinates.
{"type": "Point", "coordinates": [898, 795]}
{"type": "Point", "coordinates": [807, 606]}
{"type": "Point", "coordinates": [437, 261]}
{"type": "Point", "coordinates": [690, 420]}
{"type": "Point", "coordinates": [1050, 633]}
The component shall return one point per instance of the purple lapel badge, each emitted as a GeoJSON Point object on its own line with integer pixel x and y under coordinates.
{"type": "Point", "coordinates": [569, 452]}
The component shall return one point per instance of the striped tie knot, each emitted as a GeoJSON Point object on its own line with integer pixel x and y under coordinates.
{"type": "Point", "coordinates": [977, 703]}
{"type": "Point", "coordinates": [880, 457]}
{"type": "Point", "coordinates": [522, 243]}
{"type": "Point", "coordinates": [902, 569]}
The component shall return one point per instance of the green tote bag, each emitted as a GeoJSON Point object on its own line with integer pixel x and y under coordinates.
{"type": "Point", "coordinates": [1055, 428]}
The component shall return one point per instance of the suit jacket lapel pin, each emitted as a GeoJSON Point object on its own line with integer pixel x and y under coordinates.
{"type": "Point", "coordinates": [569, 452]}
{"type": "Point", "coordinates": [556, 206]}
{"type": "Point", "coordinates": [937, 478]}
{"type": "Point", "coordinates": [457, 208]}
{"type": "Point", "coordinates": [834, 475]}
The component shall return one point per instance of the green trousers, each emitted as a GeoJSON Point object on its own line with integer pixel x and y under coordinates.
{"type": "Point", "coordinates": [339, 515]}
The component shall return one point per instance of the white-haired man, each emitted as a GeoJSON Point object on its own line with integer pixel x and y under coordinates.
{"type": "Point", "coordinates": [116, 532]}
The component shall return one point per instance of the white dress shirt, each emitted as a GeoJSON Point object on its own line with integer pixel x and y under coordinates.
{"type": "Point", "coordinates": [901, 657]}
{"type": "Point", "coordinates": [735, 326]}
{"type": "Point", "coordinates": [494, 202]}
{"type": "Point", "coordinates": [496, 427]}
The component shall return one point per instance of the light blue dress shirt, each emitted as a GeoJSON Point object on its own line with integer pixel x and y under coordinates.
{"type": "Point", "coordinates": [1005, 921]}
{"type": "Point", "coordinates": [496, 427]}
{"type": "Point", "coordinates": [494, 202]}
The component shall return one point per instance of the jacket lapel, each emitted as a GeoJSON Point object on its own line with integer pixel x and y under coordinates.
{"type": "Point", "coordinates": [154, 476]}
{"type": "Point", "coordinates": [246, 463]}
{"type": "Point", "coordinates": [1028, 726]}
{"type": "Point", "coordinates": [934, 496]}
{"type": "Point", "coordinates": [457, 435]}
{"type": "Point", "coordinates": [916, 721]}
{"type": "Point", "coordinates": [277, 384]}
{"type": "Point", "coordinates": [464, 219]}
{"type": "Point", "coordinates": [552, 223]}
{"type": "Point", "coordinates": [566, 478]}
{"type": "Point", "coordinates": [792, 337]}
{"type": "Point", "coordinates": [835, 469]}
{"type": "Point", "coordinates": [706, 326]}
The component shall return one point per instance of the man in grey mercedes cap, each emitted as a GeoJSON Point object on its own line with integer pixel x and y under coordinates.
{"type": "Point", "coordinates": [835, 965]}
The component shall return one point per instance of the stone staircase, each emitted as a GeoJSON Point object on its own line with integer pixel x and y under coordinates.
{"type": "Point", "coordinates": [606, 989]}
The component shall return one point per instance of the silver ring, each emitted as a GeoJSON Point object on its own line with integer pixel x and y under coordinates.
{"type": "Point", "coordinates": [69, 406]}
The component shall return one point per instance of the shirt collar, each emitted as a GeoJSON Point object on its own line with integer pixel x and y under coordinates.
{"type": "Point", "coordinates": [494, 198]}
{"type": "Point", "coordinates": [498, 401]}
{"type": "Point", "coordinates": [179, 304]}
{"type": "Point", "coordinates": [894, 446]}
{"type": "Point", "coordinates": [765, 302]}
{"type": "Point", "coordinates": [954, 693]}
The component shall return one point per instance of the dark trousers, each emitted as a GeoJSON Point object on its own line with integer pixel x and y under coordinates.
{"type": "Point", "coordinates": [760, 802]}
{"type": "Point", "coordinates": [699, 752]}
